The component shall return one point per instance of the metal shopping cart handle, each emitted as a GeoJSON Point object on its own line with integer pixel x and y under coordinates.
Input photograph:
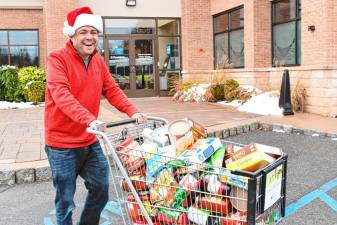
{"type": "Point", "coordinates": [124, 122]}
{"type": "Point", "coordinates": [128, 121]}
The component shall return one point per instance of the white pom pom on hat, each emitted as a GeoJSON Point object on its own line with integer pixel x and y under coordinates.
{"type": "Point", "coordinates": [81, 17]}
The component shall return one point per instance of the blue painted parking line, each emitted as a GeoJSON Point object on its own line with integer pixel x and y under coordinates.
{"type": "Point", "coordinates": [330, 201]}
{"type": "Point", "coordinates": [318, 193]}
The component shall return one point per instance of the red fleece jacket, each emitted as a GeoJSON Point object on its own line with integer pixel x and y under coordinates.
{"type": "Point", "coordinates": [73, 97]}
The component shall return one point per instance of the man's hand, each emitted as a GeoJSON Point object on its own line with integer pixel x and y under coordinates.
{"type": "Point", "coordinates": [97, 125]}
{"type": "Point", "coordinates": [140, 117]}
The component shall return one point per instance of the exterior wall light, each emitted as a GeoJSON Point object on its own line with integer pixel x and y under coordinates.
{"type": "Point", "coordinates": [131, 2]}
{"type": "Point", "coordinates": [311, 28]}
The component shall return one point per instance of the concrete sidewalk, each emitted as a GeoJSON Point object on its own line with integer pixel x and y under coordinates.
{"type": "Point", "coordinates": [22, 137]}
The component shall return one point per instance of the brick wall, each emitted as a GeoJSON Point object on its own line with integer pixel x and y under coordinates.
{"type": "Point", "coordinates": [54, 15]}
{"type": "Point", "coordinates": [26, 19]}
{"type": "Point", "coordinates": [197, 35]}
{"type": "Point", "coordinates": [319, 47]}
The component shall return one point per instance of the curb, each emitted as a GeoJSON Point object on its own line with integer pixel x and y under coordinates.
{"type": "Point", "coordinates": [43, 173]}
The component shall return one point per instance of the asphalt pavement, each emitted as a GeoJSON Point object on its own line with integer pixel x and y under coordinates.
{"type": "Point", "coordinates": [311, 166]}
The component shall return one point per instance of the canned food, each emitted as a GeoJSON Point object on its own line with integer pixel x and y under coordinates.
{"type": "Point", "coordinates": [181, 135]}
{"type": "Point", "coordinates": [239, 197]}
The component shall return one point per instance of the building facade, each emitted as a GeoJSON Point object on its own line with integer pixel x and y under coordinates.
{"type": "Point", "coordinates": [253, 41]}
{"type": "Point", "coordinates": [146, 45]}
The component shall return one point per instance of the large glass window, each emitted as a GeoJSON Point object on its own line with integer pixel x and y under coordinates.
{"type": "Point", "coordinates": [286, 32]}
{"type": "Point", "coordinates": [19, 48]}
{"type": "Point", "coordinates": [169, 52]}
{"type": "Point", "coordinates": [229, 39]}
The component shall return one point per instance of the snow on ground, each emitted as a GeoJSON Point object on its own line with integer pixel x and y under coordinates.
{"type": "Point", "coordinates": [16, 105]}
{"type": "Point", "coordinates": [263, 103]}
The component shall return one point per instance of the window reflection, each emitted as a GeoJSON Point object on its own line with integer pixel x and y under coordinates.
{"type": "Point", "coordinates": [20, 49]}
{"type": "Point", "coordinates": [24, 56]}
{"type": "Point", "coordinates": [23, 38]}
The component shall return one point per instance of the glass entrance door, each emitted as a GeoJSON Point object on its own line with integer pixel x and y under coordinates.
{"type": "Point", "coordinates": [131, 63]}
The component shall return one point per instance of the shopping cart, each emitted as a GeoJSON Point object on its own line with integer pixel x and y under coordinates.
{"type": "Point", "coordinates": [157, 187]}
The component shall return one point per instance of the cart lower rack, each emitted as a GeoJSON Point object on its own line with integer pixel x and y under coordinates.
{"type": "Point", "coordinates": [154, 186]}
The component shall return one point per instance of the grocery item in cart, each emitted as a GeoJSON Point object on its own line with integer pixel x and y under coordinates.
{"type": "Point", "coordinates": [130, 154]}
{"type": "Point", "coordinates": [214, 204]}
{"type": "Point", "coordinates": [217, 158]}
{"type": "Point", "coordinates": [201, 217]}
{"type": "Point", "coordinates": [134, 211]}
{"type": "Point", "coordinates": [163, 188]}
{"type": "Point", "coordinates": [138, 182]}
{"type": "Point", "coordinates": [173, 216]}
{"type": "Point", "coordinates": [197, 129]}
{"type": "Point", "coordinates": [201, 150]}
{"type": "Point", "coordinates": [226, 176]}
{"type": "Point", "coordinates": [155, 136]}
{"type": "Point", "coordinates": [215, 186]}
{"type": "Point", "coordinates": [155, 161]}
{"type": "Point", "coordinates": [245, 150]}
{"type": "Point", "coordinates": [239, 197]}
{"type": "Point", "coordinates": [251, 162]}
{"type": "Point", "coordinates": [181, 135]}
{"type": "Point", "coordinates": [237, 218]}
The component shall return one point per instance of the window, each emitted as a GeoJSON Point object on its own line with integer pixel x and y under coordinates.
{"type": "Point", "coordinates": [19, 48]}
{"type": "Point", "coordinates": [286, 17]}
{"type": "Point", "coordinates": [229, 39]}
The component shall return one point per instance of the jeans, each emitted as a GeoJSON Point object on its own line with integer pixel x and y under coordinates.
{"type": "Point", "coordinates": [91, 164]}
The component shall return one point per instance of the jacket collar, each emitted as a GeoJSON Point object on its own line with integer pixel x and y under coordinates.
{"type": "Point", "coordinates": [70, 48]}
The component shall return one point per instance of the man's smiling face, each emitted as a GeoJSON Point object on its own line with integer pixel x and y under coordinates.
{"type": "Point", "coordinates": [85, 41]}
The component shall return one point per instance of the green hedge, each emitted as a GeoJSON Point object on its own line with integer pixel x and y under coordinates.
{"type": "Point", "coordinates": [14, 83]}
{"type": "Point", "coordinates": [9, 83]}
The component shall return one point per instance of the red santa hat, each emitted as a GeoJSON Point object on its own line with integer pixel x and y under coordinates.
{"type": "Point", "coordinates": [81, 17]}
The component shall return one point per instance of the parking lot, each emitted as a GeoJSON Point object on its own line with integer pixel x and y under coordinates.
{"type": "Point", "coordinates": [311, 185]}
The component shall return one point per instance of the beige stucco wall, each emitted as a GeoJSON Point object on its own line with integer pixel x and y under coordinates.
{"type": "Point", "coordinates": [144, 8]}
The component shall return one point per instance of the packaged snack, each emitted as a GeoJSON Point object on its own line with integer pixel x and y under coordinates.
{"type": "Point", "coordinates": [201, 217]}
{"type": "Point", "coordinates": [134, 210]}
{"type": "Point", "coordinates": [177, 216]}
{"type": "Point", "coordinates": [237, 218]}
{"type": "Point", "coordinates": [215, 186]}
{"type": "Point", "coordinates": [130, 154]}
{"type": "Point", "coordinates": [156, 137]}
{"type": "Point", "coordinates": [214, 204]}
{"type": "Point", "coordinates": [217, 158]}
{"type": "Point", "coordinates": [226, 176]}
{"type": "Point", "coordinates": [138, 182]}
{"type": "Point", "coordinates": [201, 150]}
{"type": "Point", "coordinates": [163, 187]}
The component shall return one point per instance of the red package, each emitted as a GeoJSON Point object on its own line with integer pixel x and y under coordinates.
{"type": "Point", "coordinates": [237, 218]}
{"type": "Point", "coordinates": [138, 182]}
{"type": "Point", "coordinates": [214, 204]}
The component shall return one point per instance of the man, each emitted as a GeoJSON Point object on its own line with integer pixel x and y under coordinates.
{"type": "Point", "coordinates": [76, 78]}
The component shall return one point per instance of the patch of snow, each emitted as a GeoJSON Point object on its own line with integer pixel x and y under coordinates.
{"type": "Point", "coordinates": [279, 131]}
{"type": "Point", "coordinates": [16, 105]}
{"type": "Point", "coordinates": [264, 104]}
{"type": "Point", "coordinates": [235, 103]}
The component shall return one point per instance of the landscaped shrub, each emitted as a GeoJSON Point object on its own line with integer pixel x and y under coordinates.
{"type": "Point", "coordinates": [34, 91]}
{"type": "Point", "coordinates": [9, 82]}
{"type": "Point", "coordinates": [218, 92]}
{"type": "Point", "coordinates": [28, 74]}
{"type": "Point", "coordinates": [230, 92]}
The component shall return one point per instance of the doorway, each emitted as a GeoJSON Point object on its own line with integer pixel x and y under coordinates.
{"type": "Point", "coordinates": [131, 61]}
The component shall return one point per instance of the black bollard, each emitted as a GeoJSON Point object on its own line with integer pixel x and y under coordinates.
{"type": "Point", "coordinates": [285, 95]}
